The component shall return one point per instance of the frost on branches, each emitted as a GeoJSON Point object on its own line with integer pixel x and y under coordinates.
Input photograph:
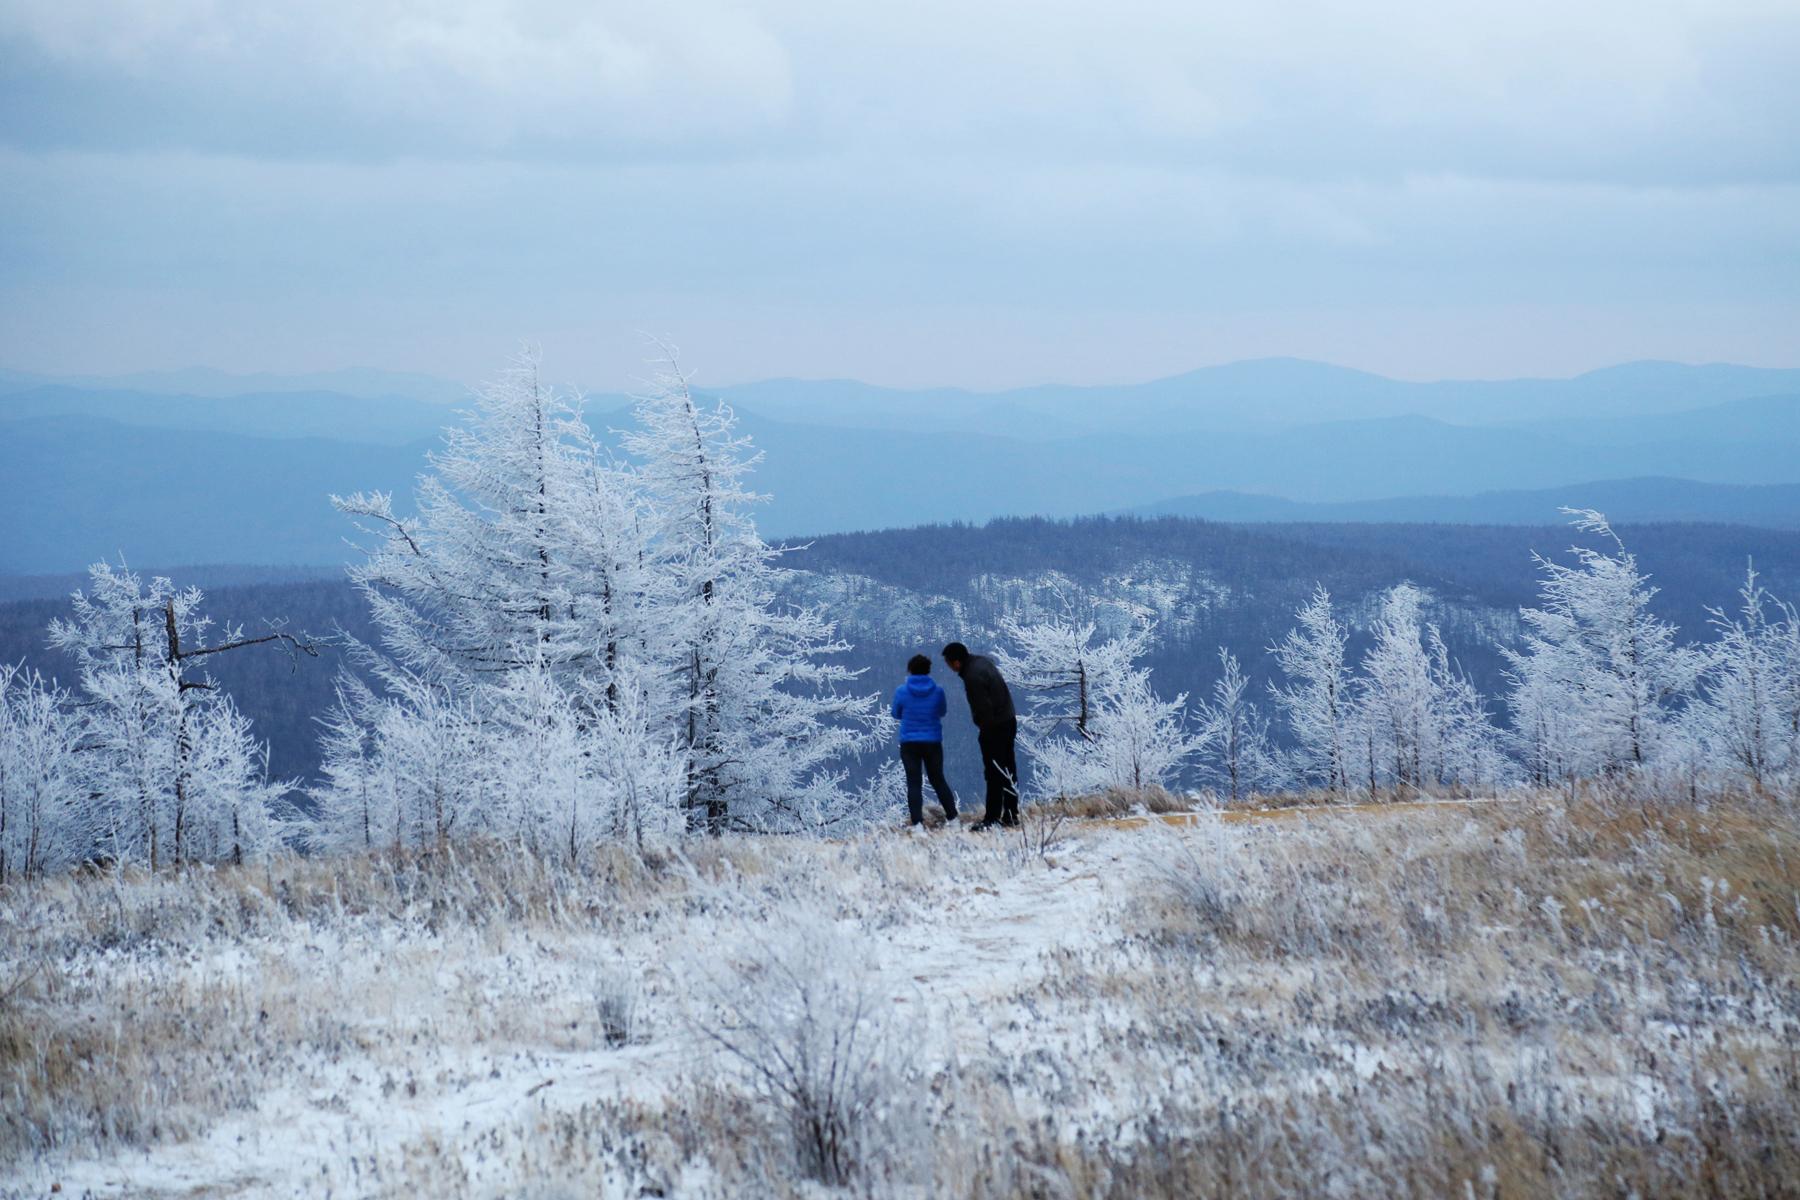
{"type": "Point", "coordinates": [1092, 722]}
{"type": "Point", "coordinates": [522, 553]}
{"type": "Point", "coordinates": [1237, 734]}
{"type": "Point", "coordinates": [529, 764]}
{"type": "Point", "coordinates": [1746, 720]}
{"type": "Point", "coordinates": [1316, 698]}
{"type": "Point", "coordinates": [1599, 684]}
{"type": "Point", "coordinates": [41, 817]}
{"type": "Point", "coordinates": [761, 714]}
{"type": "Point", "coordinates": [577, 647]}
{"type": "Point", "coordinates": [1420, 725]}
{"type": "Point", "coordinates": [167, 771]}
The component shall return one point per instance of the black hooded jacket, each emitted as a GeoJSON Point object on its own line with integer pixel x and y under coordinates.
{"type": "Point", "coordinates": [990, 703]}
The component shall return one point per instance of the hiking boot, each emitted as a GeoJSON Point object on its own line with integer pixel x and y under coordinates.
{"type": "Point", "coordinates": [981, 826]}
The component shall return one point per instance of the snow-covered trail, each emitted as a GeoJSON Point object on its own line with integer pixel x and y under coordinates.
{"type": "Point", "coordinates": [982, 942]}
{"type": "Point", "coordinates": [960, 963]}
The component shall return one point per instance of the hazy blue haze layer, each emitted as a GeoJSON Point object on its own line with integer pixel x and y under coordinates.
{"type": "Point", "coordinates": [100, 469]}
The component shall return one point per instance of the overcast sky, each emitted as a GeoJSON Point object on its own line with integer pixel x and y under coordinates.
{"type": "Point", "coordinates": [980, 192]}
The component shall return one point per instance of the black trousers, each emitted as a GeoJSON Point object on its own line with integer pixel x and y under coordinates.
{"type": "Point", "coordinates": [1001, 766]}
{"type": "Point", "coordinates": [926, 758]}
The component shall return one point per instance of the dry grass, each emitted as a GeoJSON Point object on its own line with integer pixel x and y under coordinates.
{"type": "Point", "coordinates": [139, 1010]}
{"type": "Point", "coordinates": [1558, 995]}
{"type": "Point", "coordinates": [1120, 803]}
{"type": "Point", "coordinates": [1520, 999]}
{"type": "Point", "coordinates": [133, 1021]}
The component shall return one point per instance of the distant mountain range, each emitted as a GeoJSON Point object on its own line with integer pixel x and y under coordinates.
{"type": "Point", "coordinates": [360, 382]}
{"type": "Point", "coordinates": [1258, 394]}
{"type": "Point", "coordinates": [1263, 395]}
{"type": "Point", "coordinates": [96, 469]}
{"type": "Point", "coordinates": [77, 489]}
{"type": "Point", "coordinates": [277, 414]}
{"type": "Point", "coordinates": [1772, 506]}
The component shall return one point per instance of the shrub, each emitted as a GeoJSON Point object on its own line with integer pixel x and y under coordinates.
{"type": "Point", "coordinates": [801, 1016]}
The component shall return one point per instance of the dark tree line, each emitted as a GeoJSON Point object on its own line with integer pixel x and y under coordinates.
{"type": "Point", "coordinates": [1478, 576]}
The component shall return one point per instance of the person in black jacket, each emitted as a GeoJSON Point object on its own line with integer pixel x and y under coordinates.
{"type": "Point", "coordinates": [997, 727]}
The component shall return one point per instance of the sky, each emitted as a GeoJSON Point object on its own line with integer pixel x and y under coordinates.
{"type": "Point", "coordinates": [985, 193]}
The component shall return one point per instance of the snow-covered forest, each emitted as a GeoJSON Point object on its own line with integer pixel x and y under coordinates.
{"type": "Point", "coordinates": [593, 893]}
{"type": "Point", "coordinates": [582, 640]}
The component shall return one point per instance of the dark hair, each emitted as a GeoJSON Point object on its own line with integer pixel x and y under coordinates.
{"type": "Point", "coordinates": [918, 664]}
{"type": "Point", "coordinates": [956, 652]}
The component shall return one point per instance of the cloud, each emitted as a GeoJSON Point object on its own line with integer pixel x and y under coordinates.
{"type": "Point", "coordinates": [811, 186]}
{"type": "Point", "coordinates": [349, 79]}
{"type": "Point", "coordinates": [1680, 92]}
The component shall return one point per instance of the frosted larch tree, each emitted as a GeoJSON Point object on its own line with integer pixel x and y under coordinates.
{"type": "Point", "coordinates": [166, 757]}
{"type": "Point", "coordinates": [42, 805]}
{"type": "Point", "coordinates": [1395, 694]}
{"type": "Point", "coordinates": [1741, 719]}
{"type": "Point", "coordinates": [1316, 698]}
{"type": "Point", "coordinates": [514, 556]}
{"type": "Point", "coordinates": [763, 714]}
{"type": "Point", "coordinates": [1063, 668]}
{"type": "Point", "coordinates": [1092, 720]}
{"type": "Point", "coordinates": [1236, 733]}
{"type": "Point", "coordinates": [1599, 681]}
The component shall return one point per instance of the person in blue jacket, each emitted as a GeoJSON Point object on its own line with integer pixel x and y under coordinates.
{"type": "Point", "coordinates": [919, 706]}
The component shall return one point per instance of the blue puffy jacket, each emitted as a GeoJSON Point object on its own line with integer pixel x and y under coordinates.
{"type": "Point", "coordinates": [919, 706]}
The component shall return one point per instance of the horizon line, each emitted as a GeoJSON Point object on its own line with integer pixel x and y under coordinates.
{"type": "Point", "coordinates": [69, 378]}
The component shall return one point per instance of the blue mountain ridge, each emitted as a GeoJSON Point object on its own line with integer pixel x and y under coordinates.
{"type": "Point", "coordinates": [88, 473]}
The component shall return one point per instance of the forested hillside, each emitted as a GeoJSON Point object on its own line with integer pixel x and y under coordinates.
{"type": "Point", "coordinates": [897, 592]}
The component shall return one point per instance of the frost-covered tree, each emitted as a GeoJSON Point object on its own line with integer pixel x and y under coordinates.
{"type": "Point", "coordinates": [509, 607]}
{"type": "Point", "coordinates": [353, 807]}
{"type": "Point", "coordinates": [1395, 695]}
{"type": "Point", "coordinates": [1316, 699]}
{"type": "Point", "coordinates": [170, 769]}
{"type": "Point", "coordinates": [1547, 744]}
{"type": "Point", "coordinates": [1418, 719]}
{"type": "Point", "coordinates": [429, 751]}
{"type": "Point", "coordinates": [550, 771]}
{"type": "Point", "coordinates": [1064, 668]}
{"type": "Point", "coordinates": [637, 762]}
{"type": "Point", "coordinates": [1142, 741]}
{"type": "Point", "coordinates": [41, 801]}
{"type": "Point", "coordinates": [570, 771]}
{"type": "Point", "coordinates": [1093, 722]}
{"type": "Point", "coordinates": [234, 811]}
{"type": "Point", "coordinates": [1236, 733]}
{"type": "Point", "coordinates": [524, 548]}
{"type": "Point", "coordinates": [762, 713]}
{"type": "Point", "coordinates": [1746, 716]}
{"type": "Point", "coordinates": [1786, 638]}
{"type": "Point", "coordinates": [1467, 749]}
{"type": "Point", "coordinates": [1598, 684]}
{"type": "Point", "coordinates": [1136, 742]}
{"type": "Point", "coordinates": [554, 620]}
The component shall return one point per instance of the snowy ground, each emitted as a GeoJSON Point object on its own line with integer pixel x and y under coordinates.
{"type": "Point", "coordinates": [1508, 997]}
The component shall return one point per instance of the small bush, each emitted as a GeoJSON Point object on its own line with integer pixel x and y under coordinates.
{"type": "Point", "coordinates": [816, 1040]}
{"type": "Point", "coordinates": [616, 1004]}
